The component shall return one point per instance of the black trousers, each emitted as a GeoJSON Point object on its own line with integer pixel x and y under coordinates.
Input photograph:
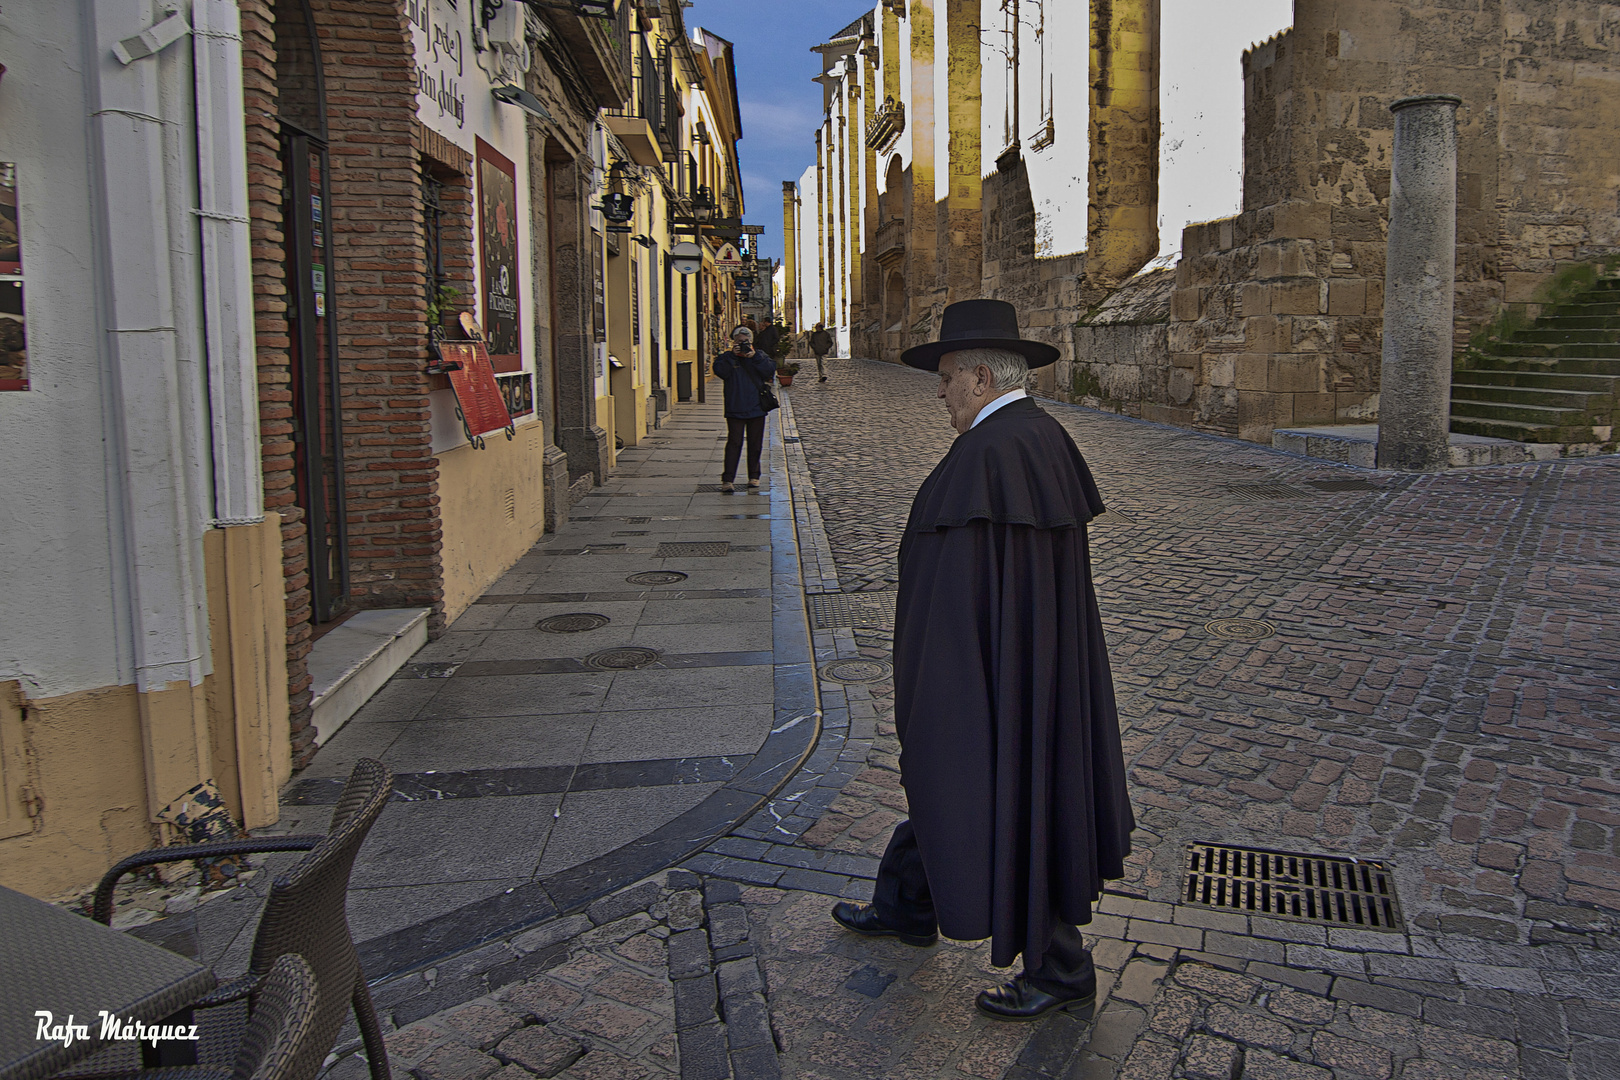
{"type": "Point", "coordinates": [754, 428]}
{"type": "Point", "coordinates": [903, 901]}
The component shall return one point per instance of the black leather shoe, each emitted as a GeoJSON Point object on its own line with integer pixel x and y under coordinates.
{"type": "Point", "coordinates": [863, 920]}
{"type": "Point", "coordinates": [1023, 1000]}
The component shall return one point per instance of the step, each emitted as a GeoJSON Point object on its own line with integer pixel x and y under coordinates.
{"type": "Point", "coordinates": [1580, 320]}
{"type": "Point", "coordinates": [1545, 397]}
{"type": "Point", "coordinates": [1527, 433]}
{"type": "Point", "coordinates": [1357, 444]}
{"type": "Point", "coordinates": [1547, 380]}
{"type": "Point", "coordinates": [1541, 349]}
{"type": "Point", "coordinates": [1539, 415]}
{"type": "Point", "coordinates": [1559, 336]}
{"type": "Point", "coordinates": [349, 664]}
{"type": "Point", "coordinates": [1583, 307]}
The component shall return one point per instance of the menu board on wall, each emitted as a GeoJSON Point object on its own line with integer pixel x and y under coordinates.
{"type": "Point", "coordinates": [478, 396]}
{"type": "Point", "coordinates": [13, 342]}
{"type": "Point", "coordinates": [498, 256]}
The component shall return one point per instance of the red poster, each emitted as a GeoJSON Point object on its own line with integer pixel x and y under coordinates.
{"type": "Point", "coordinates": [498, 256]}
{"type": "Point", "coordinates": [483, 410]}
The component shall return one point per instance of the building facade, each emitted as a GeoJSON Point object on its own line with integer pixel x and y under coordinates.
{"type": "Point", "coordinates": [246, 481]}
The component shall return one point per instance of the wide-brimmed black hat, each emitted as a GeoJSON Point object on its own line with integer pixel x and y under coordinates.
{"type": "Point", "coordinates": [978, 324]}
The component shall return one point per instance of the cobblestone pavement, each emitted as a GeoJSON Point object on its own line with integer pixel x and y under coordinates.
{"type": "Point", "coordinates": [1439, 692]}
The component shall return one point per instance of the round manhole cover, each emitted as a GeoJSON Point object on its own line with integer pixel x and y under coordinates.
{"type": "Point", "coordinates": [857, 671]}
{"type": "Point", "coordinates": [625, 659]}
{"type": "Point", "coordinates": [656, 577]}
{"type": "Point", "coordinates": [1240, 629]}
{"type": "Point", "coordinates": [573, 623]}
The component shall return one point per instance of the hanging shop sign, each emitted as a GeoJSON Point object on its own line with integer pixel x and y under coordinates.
{"type": "Point", "coordinates": [498, 256]}
{"type": "Point", "coordinates": [728, 258]}
{"type": "Point", "coordinates": [13, 341]}
{"type": "Point", "coordinates": [686, 257]}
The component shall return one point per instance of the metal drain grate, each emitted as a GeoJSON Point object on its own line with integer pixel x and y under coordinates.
{"type": "Point", "coordinates": [852, 609]}
{"type": "Point", "coordinates": [624, 659]}
{"type": "Point", "coordinates": [1264, 492]}
{"type": "Point", "coordinates": [708, 489]}
{"type": "Point", "coordinates": [1343, 485]}
{"type": "Point", "coordinates": [856, 671]}
{"type": "Point", "coordinates": [675, 549]}
{"type": "Point", "coordinates": [637, 520]}
{"type": "Point", "coordinates": [1240, 629]}
{"type": "Point", "coordinates": [577, 622]}
{"type": "Point", "coordinates": [1322, 889]}
{"type": "Point", "coordinates": [656, 577]}
{"type": "Point", "coordinates": [631, 532]}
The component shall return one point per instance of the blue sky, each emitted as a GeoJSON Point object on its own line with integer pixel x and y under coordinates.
{"type": "Point", "coordinates": [781, 107]}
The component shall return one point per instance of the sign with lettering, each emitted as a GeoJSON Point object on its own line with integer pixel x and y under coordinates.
{"type": "Point", "coordinates": [498, 255]}
{"type": "Point", "coordinates": [478, 395]}
{"type": "Point", "coordinates": [440, 37]}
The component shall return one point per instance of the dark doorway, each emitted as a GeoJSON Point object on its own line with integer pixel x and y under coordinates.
{"type": "Point", "coordinates": [311, 308]}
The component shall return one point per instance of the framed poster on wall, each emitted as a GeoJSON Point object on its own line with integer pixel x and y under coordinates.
{"type": "Point", "coordinates": [498, 256]}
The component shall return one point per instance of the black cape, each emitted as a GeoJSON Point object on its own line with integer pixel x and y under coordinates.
{"type": "Point", "coordinates": [1004, 704]}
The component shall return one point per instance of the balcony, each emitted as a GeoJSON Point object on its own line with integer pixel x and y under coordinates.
{"type": "Point", "coordinates": [600, 49]}
{"type": "Point", "coordinates": [889, 243]}
{"type": "Point", "coordinates": [887, 125]}
{"type": "Point", "coordinates": [649, 124]}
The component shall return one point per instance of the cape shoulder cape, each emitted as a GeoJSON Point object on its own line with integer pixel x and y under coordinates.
{"type": "Point", "coordinates": [1010, 749]}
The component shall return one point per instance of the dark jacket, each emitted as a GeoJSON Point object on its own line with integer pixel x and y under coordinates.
{"type": "Point", "coordinates": [743, 377]}
{"type": "Point", "coordinates": [1010, 747]}
{"type": "Point", "coordinates": [821, 343]}
{"type": "Point", "coordinates": [767, 338]}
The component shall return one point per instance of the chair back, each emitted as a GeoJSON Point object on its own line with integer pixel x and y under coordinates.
{"type": "Point", "coordinates": [306, 912]}
{"type": "Point", "coordinates": [282, 1024]}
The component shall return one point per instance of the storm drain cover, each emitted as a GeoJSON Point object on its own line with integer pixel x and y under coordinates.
{"type": "Point", "coordinates": [576, 622]}
{"type": "Point", "coordinates": [1322, 889]}
{"type": "Point", "coordinates": [708, 488]}
{"type": "Point", "coordinates": [856, 671]}
{"type": "Point", "coordinates": [852, 609]}
{"type": "Point", "coordinates": [1343, 485]}
{"type": "Point", "coordinates": [631, 532]}
{"type": "Point", "coordinates": [625, 659]}
{"type": "Point", "coordinates": [637, 520]}
{"type": "Point", "coordinates": [1240, 629]}
{"type": "Point", "coordinates": [656, 577]}
{"type": "Point", "coordinates": [1264, 492]}
{"type": "Point", "coordinates": [674, 549]}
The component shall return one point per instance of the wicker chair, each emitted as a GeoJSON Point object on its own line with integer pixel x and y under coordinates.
{"type": "Point", "coordinates": [304, 915]}
{"type": "Point", "coordinates": [283, 1021]}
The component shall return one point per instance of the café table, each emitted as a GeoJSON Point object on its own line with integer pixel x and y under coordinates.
{"type": "Point", "coordinates": [53, 960]}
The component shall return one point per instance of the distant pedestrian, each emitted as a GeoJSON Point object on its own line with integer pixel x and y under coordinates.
{"type": "Point", "coordinates": [769, 336]}
{"type": "Point", "coordinates": [745, 371]}
{"type": "Point", "coordinates": [748, 321]}
{"type": "Point", "coordinates": [1009, 741]}
{"type": "Point", "coordinates": [821, 343]}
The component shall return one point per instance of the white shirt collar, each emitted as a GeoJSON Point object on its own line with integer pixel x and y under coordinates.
{"type": "Point", "coordinates": [1005, 399]}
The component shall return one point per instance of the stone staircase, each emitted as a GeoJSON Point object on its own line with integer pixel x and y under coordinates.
{"type": "Point", "coordinates": [1554, 381]}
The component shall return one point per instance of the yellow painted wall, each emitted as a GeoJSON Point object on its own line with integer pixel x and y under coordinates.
{"type": "Point", "coordinates": [492, 507]}
{"type": "Point", "coordinates": [84, 775]}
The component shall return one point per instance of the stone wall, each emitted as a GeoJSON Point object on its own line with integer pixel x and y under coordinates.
{"type": "Point", "coordinates": [1121, 361]}
{"type": "Point", "coordinates": [1277, 315]}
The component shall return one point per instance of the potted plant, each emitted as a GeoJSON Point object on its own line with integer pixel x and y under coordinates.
{"type": "Point", "coordinates": [785, 370]}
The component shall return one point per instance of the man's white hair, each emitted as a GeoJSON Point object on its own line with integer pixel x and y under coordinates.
{"type": "Point", "coordinates": [1008, 370]}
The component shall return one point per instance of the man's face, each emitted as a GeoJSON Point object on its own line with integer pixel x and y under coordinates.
{"type": "Point", "coordinates": [965, 392]}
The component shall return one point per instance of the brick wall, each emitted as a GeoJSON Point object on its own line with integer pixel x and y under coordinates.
{"type": "Point", "coordinates": [272, 343]}
{"type": "Point", "coordinates": [379, 266]}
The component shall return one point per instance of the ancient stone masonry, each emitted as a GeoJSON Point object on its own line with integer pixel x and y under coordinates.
{"type": "Point", "coordinates": [1277, 313]}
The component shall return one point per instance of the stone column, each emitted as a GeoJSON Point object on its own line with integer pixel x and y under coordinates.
{"type": "Point", "coordinates": [1414, 415]}
{"type": "Point", "coordinates": [790, 256]}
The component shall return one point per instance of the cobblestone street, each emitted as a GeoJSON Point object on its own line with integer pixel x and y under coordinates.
{"type": "Point", "coordinates": [1433, 687]}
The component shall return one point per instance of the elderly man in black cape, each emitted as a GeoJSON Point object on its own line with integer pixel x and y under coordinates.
{"type": "Point", "coordinates": [1010, 752]}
